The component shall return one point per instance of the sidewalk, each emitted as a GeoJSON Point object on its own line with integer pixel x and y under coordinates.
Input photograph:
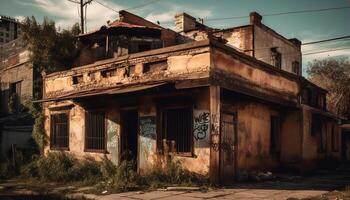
{"type": "Point", "coordinates": [303, 187]}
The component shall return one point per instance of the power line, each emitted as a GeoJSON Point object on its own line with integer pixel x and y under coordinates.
{"type": "Point", "coordinates": [142, 5]}
{"type": "Point", "coordinates": [117, 11]}
{"type": "Point", "coordinates": [325, 51]}
{"type": "Point", "coordinates": [131, 8]}
{"type": "Point", "coordinates": [281, 13]}
{"type": "Point", "coordinates": [327, 40]}
{"type": "Point", "coordinates": [73, 1]}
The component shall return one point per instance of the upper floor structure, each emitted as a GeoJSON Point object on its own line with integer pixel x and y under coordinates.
{"type": "Point", "coordinates": [9, 29]}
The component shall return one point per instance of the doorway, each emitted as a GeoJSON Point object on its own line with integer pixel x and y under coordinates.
{"type": "Point", "coordinates": [129, 136]}
{"type": "Point", "coordinates": [228, 147]}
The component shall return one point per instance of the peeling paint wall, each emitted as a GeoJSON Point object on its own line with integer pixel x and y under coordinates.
{"type": "Point", "coordinates": [241, 38]}
{"type": "Point", "coordinates": [253, 134]}
{"type": "Point", "coordinates": [291, 138]}
{"type": "Point", "coordinates": [185, 64]}
{"type": "Point", "coordinates": [262, 78]}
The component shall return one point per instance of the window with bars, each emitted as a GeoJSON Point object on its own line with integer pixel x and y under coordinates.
{"type": "Point", "coordinates": [95, 139]}
{"type": "Point", "coordinates": [177, 136]}
{"type": "Point", "coordinates": [59, 131]}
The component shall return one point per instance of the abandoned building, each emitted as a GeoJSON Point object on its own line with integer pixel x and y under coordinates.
{"type": "Point", "coordinates": [220, 101]}
{"type": "Point", "coordinates": [17, 79]}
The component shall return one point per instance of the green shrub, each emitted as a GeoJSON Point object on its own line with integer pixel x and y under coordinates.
{"type": "Point", "coordinates": [55, 166]}
{"type": "Point", "coordinates": [108, 168]}
{"type": "Point", "coordinates": [173, 173]}
{"type": "Point", "coordinates": [87, 171]}
{"type": "Point", "coordinates": [126, 178]}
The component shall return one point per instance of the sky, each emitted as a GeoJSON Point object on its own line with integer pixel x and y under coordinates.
{"type": "Point", "coordinates": [307, 27]}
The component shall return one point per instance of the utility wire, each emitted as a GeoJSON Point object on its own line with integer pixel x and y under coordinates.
{"type": "Point", "coordinates": [325, 51]}
{"type": "Point", "coordinates": [117, 11]}
{"type": "Point", "coordinates": [142, 5]}
{"type": "Point", "coordinates": [131, 8]}
{"type": "Point", "coordinates": [281, 13]}
{"type": "Point", "coordinates": [73, 1]}
{"type": "Point", "coordinates": [327, 40]}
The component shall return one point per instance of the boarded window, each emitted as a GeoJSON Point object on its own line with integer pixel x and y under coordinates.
{"type": "Point", "coordinates": [275, 135]}
{"type": "Point", "coordinates": [95, 131]}
{"type": "Point", "coordinates": [177, 130]}
{"type": "Point", "coordinates": [108, 73]}
{"type": "Point", "coordinates": [155, 66]}
{"type": "Point", "coordinates": [59, 129]}
{"type": "Point", "coordinates": [77, 79]}
{"type": "Point", "coordinates": [276, 58]}
{"type": "Point", "coordinates": [335, 138]}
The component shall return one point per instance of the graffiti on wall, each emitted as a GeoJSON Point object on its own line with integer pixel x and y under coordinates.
{"type": "Point", "coordinates": [148, 126]}
{"type": "Point", "coordinates": [112, 139]}
{"type": "Point", "coordinates": [201, 124]}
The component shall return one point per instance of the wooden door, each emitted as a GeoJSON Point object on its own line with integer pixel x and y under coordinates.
{"type": "Point", "coordinates": [228, 147]}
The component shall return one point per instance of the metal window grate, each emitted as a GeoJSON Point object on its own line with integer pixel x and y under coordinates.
{"type": "Point", "coordinates": [59, 131]}
{"type": "Point", "coordinates": [95, 131]}
{"type": "Point", "coordinates": [177, 127]}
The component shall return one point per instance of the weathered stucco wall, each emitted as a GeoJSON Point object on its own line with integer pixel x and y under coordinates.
{"type": "Point", "coordinates": [76, 115]}
{"type": "Point", "coordinates": [291, 137]}
{"type": "Point", "coordinates": [20, 70]}
{"type": "Point", "coordinates": [240, 37]}
{"type": "Point", "coordinates": [147, 149]}
{"type": "Point", "coordinates": [253, 134]}
{"type": "Point", "coordinates": [265, 39]}
{"type": "Point", "coordinates": [261, 78]}
{"type": "Point", "coordinates": [183, 65]}
{"type": "Point", "coordinates": [311, 141]}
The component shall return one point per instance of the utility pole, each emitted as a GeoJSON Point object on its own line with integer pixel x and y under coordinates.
{"type": "Point", "coordinates": [82, 4]}
{"type": "Point", "coordinates": [82, 15]}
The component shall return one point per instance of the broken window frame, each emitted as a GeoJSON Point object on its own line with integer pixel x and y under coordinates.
{"type": "Point", "coordinates": [296, 67]}
{"type": "Point", "coordinates": [102, 145]}
{"type": "Point", "coordinates": [276, 58]}
{"type": "Point", "coordinates": [54, 126]}
{"type": "Point", "coordinates": [161, 128]}
{"type": "Point", "coordinates": [77, 79]}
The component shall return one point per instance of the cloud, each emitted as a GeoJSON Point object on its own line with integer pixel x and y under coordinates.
{"type": "Point", "coordinates": [66, 13]}
{"type": "Point", "coordinates": [20, 18]}
{"type": "Point", "coordinates": [167, 16]}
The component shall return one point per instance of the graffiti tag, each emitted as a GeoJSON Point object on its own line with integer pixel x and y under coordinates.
{"type": "Point", "coordinates": [148, 126]}
{"type": "Point", "coordinates": [201, 124]}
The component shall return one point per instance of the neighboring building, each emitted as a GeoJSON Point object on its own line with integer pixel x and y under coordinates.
{"type": "Point", "coordinates": [9, 29]}
{"type": "Point", "coordinates": [220, 101]}
{"type": "Point", "coordinates": [16, 78]}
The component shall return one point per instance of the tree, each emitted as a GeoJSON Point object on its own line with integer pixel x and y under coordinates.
{"type": "Point", "coordinates": [334, 75]}
{"type": "Point", "coordinates": [51, 49]}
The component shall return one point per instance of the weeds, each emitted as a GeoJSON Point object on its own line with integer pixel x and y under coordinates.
{"type": "Point", "coordinates": [64, 168]}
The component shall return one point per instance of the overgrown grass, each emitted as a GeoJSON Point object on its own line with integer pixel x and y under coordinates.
{"type": "Point", "coordinates": [64, 168]}
{"type": "Point", "coordinates": [61, 167]}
